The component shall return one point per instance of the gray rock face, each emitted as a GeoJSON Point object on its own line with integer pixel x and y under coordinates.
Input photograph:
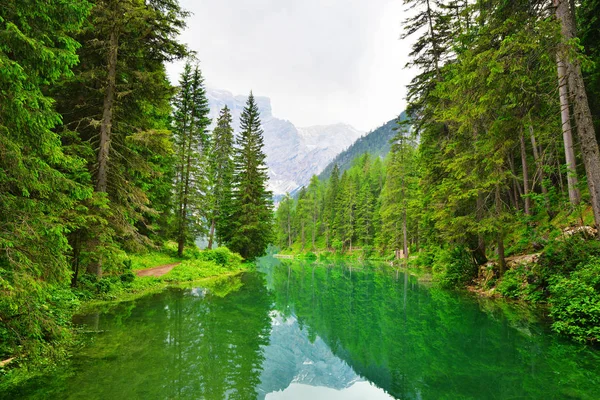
{"type": "Point", "coordinates": [294, 154]}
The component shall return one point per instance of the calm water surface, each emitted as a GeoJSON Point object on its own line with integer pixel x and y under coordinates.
{"type": "Point", "coordinates": [319, 331]}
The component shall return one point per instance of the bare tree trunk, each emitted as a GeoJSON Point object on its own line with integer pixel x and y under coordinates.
{"type": "Point", "coordinates": [574, 195]}
{"type": "Point", "coordinates": [107, 113]}
{"type": "Point", "coordinates": [289, 230]}
{"type": "Point", "coordinates": [314, 228]}
{"type": "Point", "coordinates": [581, 108]}
{"type": "Point", "coordinates": [479, 212]}
{"type": "Point", "coordinates": [211, 234]}
{"type": "Point", "coordinates": [405, 236]}
{"type": "Point", "coordinates": [525, 174]}
{"type": "Point", "coordinates": [540, 172]}
{"type": "Point", "coordinates": [499, 235]}
{"type": "Point", "coordinates": [105, 134]}
{"type": "Point", "coordinates": [76, 257]}
{"type": "Point", "coordinates": [538, 161]}
{"type": "Point", "coordinates": [517, 192]}
{"type": "Point", "coordinates": [303, 236]}
{"type": "Point", "coordinates": [513, 196]}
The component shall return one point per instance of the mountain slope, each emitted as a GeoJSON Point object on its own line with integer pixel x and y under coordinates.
{"type": "Point", "coordinates": [376, 143]}
{"type": "Point", "coordinates": [294, 154]}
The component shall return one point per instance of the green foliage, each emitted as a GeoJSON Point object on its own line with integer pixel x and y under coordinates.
{"type": "Point", "coordinates": [221, 176]}
{"type": "Point", "coordinates": [522, 282]}
{"type": "Point", "coordinates": [191, 150]}
{"type": "Point", "coordinates": [575, 302]}
{"type": "Point", "coordinates": [561, 257]}
{"type": "Point", "coordinates": [251, 223]}
{"type": "Point", "coordinates": [453, 267]}
{"type": "Point", "coordinates": [221, 256]}
{"type": "Point", "coordinates": [37, 192]}
{"type": "Point", "coordinates": [376, 143]}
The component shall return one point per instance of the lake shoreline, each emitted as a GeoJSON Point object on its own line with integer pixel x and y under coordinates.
{"type": "Point", "coordinates": [205, 268]}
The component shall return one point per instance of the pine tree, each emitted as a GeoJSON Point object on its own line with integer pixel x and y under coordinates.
{"type": "Point", "coordinates": [330, 205]}
{"type": "Point", "coordinates": [345, 216]}
{"type": "Point", "coordinates": [221, 170]}
{"type": "Point", "coordinates": [314, 200]}
{"type": "Point", "coordinates": [115, 112]}
{"type": "Point", "coordinates": [37, 192]}
{"type": "Point", "coordinates": [581, 109]}
{"type": "Point", "coordinates": [191, 139]}
{"type": "Point", "coordinates": [252, 201]}
{"type": "Point", "coordinates": [284, 217]}
{"type": "Point", "coordinates": [303, 216]}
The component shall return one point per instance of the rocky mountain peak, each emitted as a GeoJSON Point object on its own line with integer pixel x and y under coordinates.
{"type": "Point", "coordinates": [294, 154]}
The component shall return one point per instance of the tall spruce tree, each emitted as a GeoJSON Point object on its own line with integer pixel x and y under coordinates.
{"type": "Point", "coordinates": [191, 139]}
{"type": "Point", "coordinates": [115, 111]}
{"type": "Point", "coordinates": [221, 172]}
{"type": "Point", "coordinates": [284, 217]}
{"type": "Point", "coordinates": [330, 205]}
{"type": "Point", "coordinates": [252, 201]}
{"type": "Point", "coordinates": [37, 194]}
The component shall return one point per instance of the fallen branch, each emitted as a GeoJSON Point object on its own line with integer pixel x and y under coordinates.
{"type": "Point", "coordinates": [6, 362]}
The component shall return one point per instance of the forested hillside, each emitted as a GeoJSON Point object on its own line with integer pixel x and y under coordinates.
{"type": "Point", "coordinates": [101, 158]}
{"type": "Point", "coordinates": [377, 143]}
{"type": "Point", "coordinates": [506, 161]}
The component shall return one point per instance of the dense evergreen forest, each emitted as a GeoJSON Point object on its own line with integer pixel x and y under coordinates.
{"type": "Point", "coordinates": [376, 143]}
{"type": "Point", "coordinates": [101, 157]}
{"type": "Point", "coordinates": [501, 159]}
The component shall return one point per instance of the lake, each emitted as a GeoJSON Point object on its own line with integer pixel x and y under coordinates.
{"type": "Point", "coordinates": [325, 330]}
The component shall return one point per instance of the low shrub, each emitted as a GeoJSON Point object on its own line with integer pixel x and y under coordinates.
{"type": "Point", "coordinates": [454, 267]}
{"type": "Point", "coordinates": [424, 258]}
{"type": "Point", "coordinates": [521, 282]}
{"type": "Point", "coordinates": [575, 302]}
{"type": "Point", "coordinates": [221, 256]}
{"type": "Point", "coordinates": [561, 257]}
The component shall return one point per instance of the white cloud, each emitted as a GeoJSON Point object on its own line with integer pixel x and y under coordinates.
{"type": "Point", "coordinates": [320, 61]}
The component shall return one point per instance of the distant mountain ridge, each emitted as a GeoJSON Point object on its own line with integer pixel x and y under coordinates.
{"type": "Point", "coordinates": [294, 154]}
{"type": "Point", "coordinates": [377, 143]}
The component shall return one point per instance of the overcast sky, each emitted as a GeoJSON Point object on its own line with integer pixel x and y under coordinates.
{"type": "Point", "coordinates": [320, 61]}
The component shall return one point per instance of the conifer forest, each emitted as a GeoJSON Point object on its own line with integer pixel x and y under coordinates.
{"type": "Point", "coordinates": [117, 184]}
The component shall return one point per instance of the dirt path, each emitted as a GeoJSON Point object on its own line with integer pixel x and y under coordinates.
{"type": "Point", "coordinates": [156, 271]}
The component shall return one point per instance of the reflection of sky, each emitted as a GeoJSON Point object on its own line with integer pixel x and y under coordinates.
{"type": "Point", "coordinates": [295, 368]}
{"type": "Point", "coordinates": [358, 391]}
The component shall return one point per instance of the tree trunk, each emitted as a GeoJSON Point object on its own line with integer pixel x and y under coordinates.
{"type": "Point", "coordinates": [574, 195]}
{"type": "Point", "coordinates": [525, 175]}
{"type": "Point", "coordinates": [107, 113]}
{"type": "Point", "coordinates": [313, 232]}
{"type": "Point", "coordinates": [482, 257]}
{"type": "Point", "coordinates": [499, 234]}
{"type": "Point", "coordinates": [76, 257]}
{"type": "Point", "coordinates": [539, 165]}
{"type": "Point", "coordinates": [106, 123]}
{"type": "Point", "coordinates": [211, 234]}
{"type": "Point", "coordinates": [581, 109]}
{"type": "Point", "coordinates": [289, 230]}
{"type": "Point", "coordinates": [517, 192]}
{"type": "Point", "coordinates": [405, 238]}
{"type": "Point", "coordinates": [303, 236]}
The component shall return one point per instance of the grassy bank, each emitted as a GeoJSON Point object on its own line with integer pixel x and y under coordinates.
{"type": "Point", "coordinates": [196, 267]}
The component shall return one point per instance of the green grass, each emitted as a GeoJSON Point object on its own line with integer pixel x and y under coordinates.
{"type": "Point", "coordinates": [152, 259]}
{"type": "Point", "coordinates": [192, 270]}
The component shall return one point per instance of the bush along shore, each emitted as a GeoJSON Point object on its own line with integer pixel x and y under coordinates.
{"type": "Point", "coordinates": [51, 340]}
